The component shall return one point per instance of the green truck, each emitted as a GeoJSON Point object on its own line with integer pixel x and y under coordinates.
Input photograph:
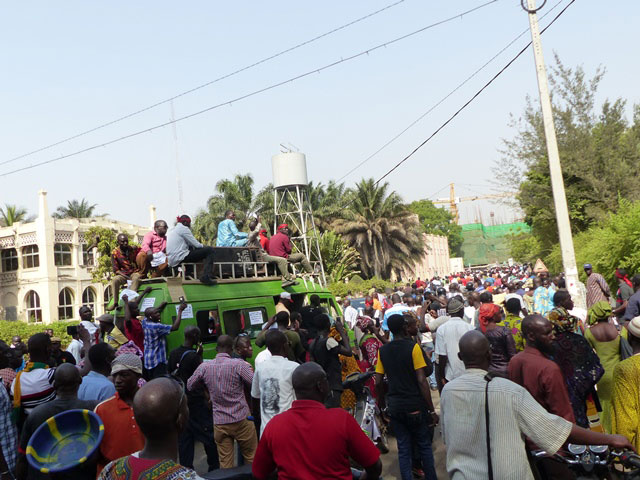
{"type": "Point", "coordinates": [241, 305]}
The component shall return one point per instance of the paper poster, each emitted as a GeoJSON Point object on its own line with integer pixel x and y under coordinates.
{"type": "Point", "coordinates": [131, 294]}
{"type": "Point", "coordinates": [255, 317]}
{"type": "Point", "coordinates": [147, 303]}
{"type": "Point", "coordinates": [187, 312]}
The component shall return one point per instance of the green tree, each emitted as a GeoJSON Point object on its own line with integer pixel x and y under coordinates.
{"type": "Point", "coordinates": [609, 244]}
{"type": "Point", "coordinates": [339, 259]}
{"type": "Point", "coordinates": [11, 214]}
{"type": "Point", "coordinates": [438, 221]}
{"type": "Point", "coordinates": [76, 209]}
{"type": "Point", "coordinates": [235, 194]}
{"type": "Point", "coordinates": [598, 150]}
{"type": "Point", "coordinates": [383, 231]}
{"type": "Point", "coordinates": [105, 240]}
{"type": "Point", "coordinates": [525, 248]}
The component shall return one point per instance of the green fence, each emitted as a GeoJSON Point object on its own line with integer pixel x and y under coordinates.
{"type": "Point", "coordinates": [482, 244]}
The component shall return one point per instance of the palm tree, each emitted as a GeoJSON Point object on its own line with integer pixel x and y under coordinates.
{"type": "Point", "coordinates": [327, 202]}
{"type": "Point", "coordinates": [386, 235]}
{"type": "Point", "coordinates": [76, 209]}
{"type": "Point", "coordinates": [11, 214]}
{"type": "Point", "coordinates": [339, 259]}
{"type": "Point", "coordinates": [235, 194]}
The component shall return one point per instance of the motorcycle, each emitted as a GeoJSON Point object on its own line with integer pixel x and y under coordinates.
{"type": "Point", "coordinates": [366, 411]}
{"type": "Point", "coordinates": [594, 462]}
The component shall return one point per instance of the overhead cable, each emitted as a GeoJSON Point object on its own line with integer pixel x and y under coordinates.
{"type": "Point", "coordinates": [468, 102]}
{"type": "Point", "coordinates": [247, 95]}
{"type": "Point", "coordinates": [442, 100]}
{"type": "Point", "coordinates": [199, 87]}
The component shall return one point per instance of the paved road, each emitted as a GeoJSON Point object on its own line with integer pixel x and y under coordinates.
{"type": "Point", "coordinates": [390, 469]}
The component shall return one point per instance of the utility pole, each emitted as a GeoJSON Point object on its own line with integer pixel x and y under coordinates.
{"type": "Point", "coordinates": [557, 182]}
{"type": "Point", "coordinates": [178, 176]}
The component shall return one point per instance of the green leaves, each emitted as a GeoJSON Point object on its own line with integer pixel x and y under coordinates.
{"type": "Point", "coordinates": [438, 221]}
{"type": "Point", "coordinates": [76, 209]}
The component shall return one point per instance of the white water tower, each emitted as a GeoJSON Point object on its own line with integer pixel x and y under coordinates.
{"type": "Point", "coordinates": [291, 203]}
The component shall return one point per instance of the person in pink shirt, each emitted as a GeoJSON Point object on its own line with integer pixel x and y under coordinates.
{"type": "Point", "coordinates": [153, 251]}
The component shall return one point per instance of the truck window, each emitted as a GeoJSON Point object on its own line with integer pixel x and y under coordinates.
{"type": "Point", "coordinates": [209, 324]}
{"type": "Point", "coordinates": [329, 307]}
{"type": "Point", "coordinates": [248, 320]}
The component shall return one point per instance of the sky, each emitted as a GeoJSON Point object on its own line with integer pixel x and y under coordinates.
{"type": "Point", "coordinates": [70, 67]}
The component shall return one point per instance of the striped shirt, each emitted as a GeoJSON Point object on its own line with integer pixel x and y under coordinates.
{"type": "Point", "coordinates": [155, 343]}
{"type": "Point", "coordinates": [36, 387]}
{"type": "Point", "coordinates": [513, 413]}
{"type": "Point", "coordinates": [597, 289]}
{"type": "Point", "coordinates": [226, 379]}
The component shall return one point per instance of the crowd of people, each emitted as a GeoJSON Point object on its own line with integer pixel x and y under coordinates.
{"type": "Point", "coordinates": [511, 357]}
{"type": "Point", "coordinates": [165, 247]}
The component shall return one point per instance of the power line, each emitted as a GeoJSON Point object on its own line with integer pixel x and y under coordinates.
{"type": "Point", "coordinates": [248, 95]}
{"type": "Point", "coordinates": [442, 100]}
{"type": "Point", "coordinates": [466, 104]}
{"type": "Point", "coordinates": [199, 87]}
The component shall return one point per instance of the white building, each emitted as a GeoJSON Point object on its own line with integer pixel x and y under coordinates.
{"type": "Point", "coordinates": [435, 260]}
{"type": "Point", "coordinates": [46, 266]}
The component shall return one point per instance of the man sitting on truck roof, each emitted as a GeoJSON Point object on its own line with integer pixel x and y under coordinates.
{"type": "Point", "coordinates": [125, 268]}
{"type": "Point", "coordinates": [255, 240]}
{"type": "Point", "coordinates": [153, 254]}
{"type": "Point", "coordinates": [228, 233]}
{"type": "Point", "coordinates": [280, 246]}
{"type": "Point", "coordinates": [182, 247]}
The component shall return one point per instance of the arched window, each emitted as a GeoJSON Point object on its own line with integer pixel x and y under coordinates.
{"type": "Point", "coordinates": [65, 304]}
{"type": "Point", "coordinates": [62, 254]}
{"type": "Point", "coordinates": [9, 260]}
{"type": "Point", "coordinates": [30, 257]}
{"type": "Point", "coordinates": [89, 298]}
{"type": "Point", "coordinates": [107, 296]}
{"type": "Point", "coordinates": [32, 304]}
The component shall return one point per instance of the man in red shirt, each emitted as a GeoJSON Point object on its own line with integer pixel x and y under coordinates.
{"type": "Point", "coordinates": [122, 436]}
{"type": "Point", "coordinates": [280, 246]}
{"type": "Point", "coordinates": [543, 379]}
{"type": "Point", "coordinates": [308, 441]}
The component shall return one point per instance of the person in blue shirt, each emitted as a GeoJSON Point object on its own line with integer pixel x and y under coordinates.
{"type": "Point", "coordinates": [95, 385]}
{"type": "Point", "coordinates": [228, 233]}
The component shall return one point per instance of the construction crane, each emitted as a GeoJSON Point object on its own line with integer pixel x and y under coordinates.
{"type": "Point", "coordinates": [453, 201]}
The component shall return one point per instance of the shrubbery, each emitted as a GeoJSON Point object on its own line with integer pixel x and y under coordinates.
{"type": "Point", "coordinates": [359, 288]}
{"type": "Point", "coordinates": [25, 330]}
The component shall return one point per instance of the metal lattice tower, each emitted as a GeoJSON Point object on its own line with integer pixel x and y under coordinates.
{"type": "Point", "coordinates": [291, 204]}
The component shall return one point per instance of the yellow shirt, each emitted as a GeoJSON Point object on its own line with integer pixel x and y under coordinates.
{"type": "Point", "coordinates": [416, 356]}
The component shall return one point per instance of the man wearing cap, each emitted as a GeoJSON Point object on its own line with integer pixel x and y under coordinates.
{"type": "Point", "coordinates": [182, 247]}
{"type": "Point", "coordinates": [280, 246]}
{"type": "Point", "coordinates": [228, 233]}
{"type": "Point", "coordinates": [597, 287]}
{"type": "Point", "coordinates": [284, 303]}
{"type": "Point", "coordinates": [625, 404]}
{"type": "Point", "coordinates": [121, 433]}
{"type": "Point", "coordinates": [447, 337]}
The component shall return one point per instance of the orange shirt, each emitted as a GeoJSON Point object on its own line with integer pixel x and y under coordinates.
{"type": "Point", "coordinates": [122, 436]}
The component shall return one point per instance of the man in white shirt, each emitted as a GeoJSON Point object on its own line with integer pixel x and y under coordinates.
{"type": "Point", "coordinates": [350, 313]}
{"type": "Point", "coordinates": [447, 337]}
{"type": "Point", "coordinates": [512, 414]}
{"type": "Point", "coordinates": [182, 247]}
{"type": "Point", "coordinates": [75, 347]}
{"type": "Point", "coordinates": [272, 387]}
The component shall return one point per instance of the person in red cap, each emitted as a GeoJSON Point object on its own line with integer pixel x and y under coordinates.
{"type": "Point", "coordinates": [280, 246]}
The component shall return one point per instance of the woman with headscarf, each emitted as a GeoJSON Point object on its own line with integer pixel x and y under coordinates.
{"type": "Point", "coordinates": [578, 362]}
{"type": "Point", "coordinates": [503, 347]}
{"type": "Point", "coordinates": [605, 340]}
